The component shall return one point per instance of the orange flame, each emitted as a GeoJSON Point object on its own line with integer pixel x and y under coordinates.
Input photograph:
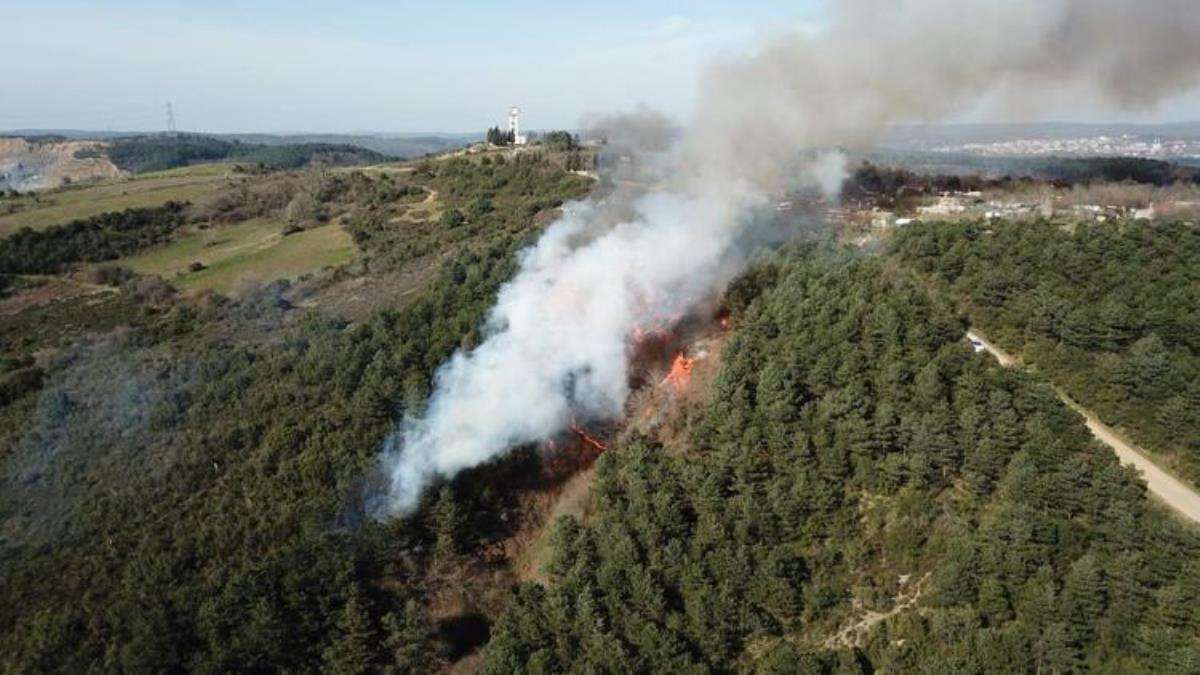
{"type": "Point", "coordinates": [681, 372]}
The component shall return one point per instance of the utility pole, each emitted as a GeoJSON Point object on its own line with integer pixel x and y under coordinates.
{"type": "Point", "coordinates": [170, 118]}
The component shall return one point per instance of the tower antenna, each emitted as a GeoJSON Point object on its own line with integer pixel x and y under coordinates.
{"type": "Point", "coordinates": [170, 118]}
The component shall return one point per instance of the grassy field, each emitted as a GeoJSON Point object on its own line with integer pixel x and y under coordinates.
{"type": "Point", "coordinates": [196, 171]}
{"type": "Point", "coordinates": [252, 250]}
{"type": "Point", "coordinates": [62, 206]}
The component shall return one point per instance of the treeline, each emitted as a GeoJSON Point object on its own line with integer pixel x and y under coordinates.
{"type": "Point", "coordinates": [560, 140]}
{"type": "Point", "coordinates": [890, 186]}
{"type": "Point", "coordinates": [498, 136]}
{"type": "Point", "coordinates": [855, 455]}
{"type": "Point", "coordinates": [1110, 312]}
{"type": "Point", "coordinates": [1115, 170]}
{"type": "Point", "coordinates": [107, 236]}
{"type": "Point", "coordinates": [189, 494]}
{"type": "Point", "coordinates": [140, 154]}
{"type": "Point", "coordinates": [554, 140]}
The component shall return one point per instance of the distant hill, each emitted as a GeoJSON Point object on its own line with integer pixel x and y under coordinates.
{"type": "Point", "coordinates": [396, 145]}
{"type": "Point", "coordinates": [33, 161]}
{"type": "Point", "coordinates": [401, 145]}
{"type": "Point", "coordinates": [139, 154]}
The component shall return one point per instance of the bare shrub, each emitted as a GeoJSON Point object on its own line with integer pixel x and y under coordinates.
{"type": "Point", "coordinates": [151, 290]}
{"type": "Point", "coordinates": [106, 275]}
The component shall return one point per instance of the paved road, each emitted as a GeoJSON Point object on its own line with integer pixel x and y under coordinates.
{"type": "Point", "coordinates": [1163, 485]}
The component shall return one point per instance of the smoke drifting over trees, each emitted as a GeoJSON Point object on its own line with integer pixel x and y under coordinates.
{"type": "Point", "coordinates": [558, 337]}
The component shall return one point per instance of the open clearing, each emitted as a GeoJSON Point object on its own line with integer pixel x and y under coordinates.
{"type": "Point", "coordinates": [252, 250]}
{"type": "Point", "coordinates": [62, 206]}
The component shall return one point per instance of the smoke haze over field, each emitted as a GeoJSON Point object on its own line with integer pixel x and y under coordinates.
{"type": "Point", "coordinates": [558, 338]}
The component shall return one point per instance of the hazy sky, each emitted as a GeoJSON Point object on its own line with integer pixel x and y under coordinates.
{"type": "Point", "coordinates": [304, 65]}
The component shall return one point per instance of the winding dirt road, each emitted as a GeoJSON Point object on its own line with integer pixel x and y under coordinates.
{"type": "Point", "coordinates": [1163, 485]}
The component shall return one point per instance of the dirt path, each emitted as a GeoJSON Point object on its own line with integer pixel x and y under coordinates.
{"type": "Point", "coordinates": [1163, 485]}
{"type": "Point", "coordinates": [1007, 360]}
{"type": "Point", "coordinates": [1166, 487]}
{"type": "Point", "coordinates": [420, 211]}
{"type": "Point", "coordinates": [852, 635]}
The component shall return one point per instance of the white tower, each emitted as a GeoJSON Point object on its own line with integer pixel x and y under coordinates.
{"type": "Point", "coordinates": [514, 125]}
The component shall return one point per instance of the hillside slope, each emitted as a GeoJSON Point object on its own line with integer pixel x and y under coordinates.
{"type": "Point", "coordinates": [186, 480]}
{"type": "Point", "coordinates": [1110, 312]}
{"type": "Point", "coordinates": [183, 487]}
{"type": "Point", "coordinates": [861, 494]}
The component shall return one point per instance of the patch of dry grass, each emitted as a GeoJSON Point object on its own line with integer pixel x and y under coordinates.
{"type": "Point", "coordinates": [57, 207]}
{"type": "Point", "coordinates": [255, 250]}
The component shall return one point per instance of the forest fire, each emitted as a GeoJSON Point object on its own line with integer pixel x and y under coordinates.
{"type": "Point", "coordinates": [642, 335]}
{"type": "Point", "coordinates": [681, 372]}
{"type": "Point", "coordinates": [587, 438]}
{"type": "Point", "coordinates": [570, 454]}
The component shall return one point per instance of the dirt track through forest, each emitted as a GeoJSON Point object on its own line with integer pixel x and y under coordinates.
{"type": "Point", "coordinates": [1170, 490]}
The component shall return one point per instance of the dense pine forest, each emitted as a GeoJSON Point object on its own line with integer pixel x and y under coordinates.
{"type": "Point", "coordinates": [1110, 311]}
{"type": "Point", "coordinates": [187, 481]}
{"type": "Point", "coordinates": [856, 457]}
{"type": "Point", "coordinates": [140, 154]}
{"type": "Point", "coordinates": [181, 493]}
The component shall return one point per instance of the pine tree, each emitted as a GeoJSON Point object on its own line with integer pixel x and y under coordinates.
{"type": "Point", "coordinates": [956, 577]}
{"type": "Point", "coordinates": [448, 524]}
{"type": "Point", "coordinates": [993, 601]}
{"type": "Point", "coordinates": [1054, 652]}
{"type": "Point", "coordinates": [1037, 599]}
{"type": "Point", "coordinates": [350, 651]}
{"type": "Point", "coordinates": [1084, 598]}
{"type": "Point", "coordinates": [407, 640]}
{"type": "Point", "coordinates": [1127, 600]}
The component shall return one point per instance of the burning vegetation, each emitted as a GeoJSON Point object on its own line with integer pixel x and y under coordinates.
{"type": "Point", "coordinates": [587, 438]}
{"type": "Point", "coordinates": [680, 374]}
{"type": "Point", "coordinates": [853, 439]}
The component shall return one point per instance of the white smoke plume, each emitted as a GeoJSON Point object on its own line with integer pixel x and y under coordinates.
{"type": "Point", "coordinates": [560, 330]}
{"type": "Point", "coordinates": [558, 338]}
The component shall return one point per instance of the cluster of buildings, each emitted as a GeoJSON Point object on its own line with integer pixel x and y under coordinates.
{"type": "Point", "coordinates": [952, 206]}
{"type": "Point", "coordinates": [1125, 145]}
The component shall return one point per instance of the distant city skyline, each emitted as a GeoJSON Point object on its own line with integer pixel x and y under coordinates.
{"type": "Point", "coordinates": [374, 66]}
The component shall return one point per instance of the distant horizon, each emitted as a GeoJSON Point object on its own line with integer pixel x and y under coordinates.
{"type": "Point", "coordinates": [22, 131]}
